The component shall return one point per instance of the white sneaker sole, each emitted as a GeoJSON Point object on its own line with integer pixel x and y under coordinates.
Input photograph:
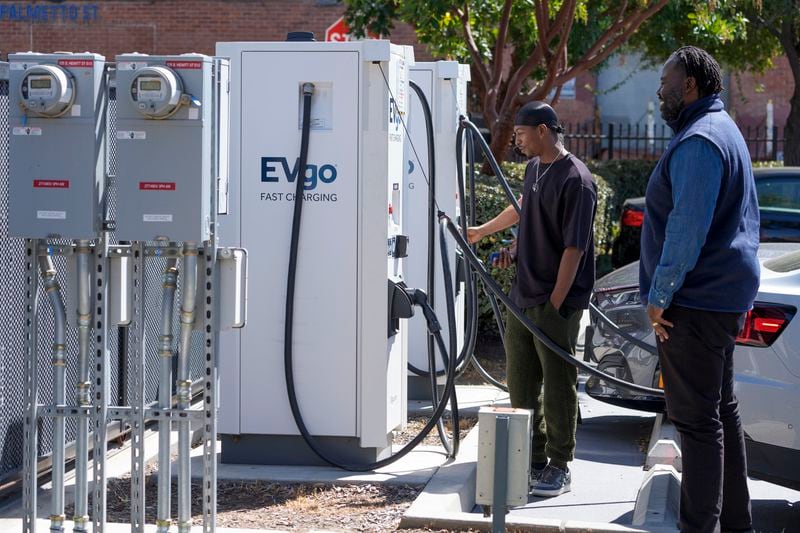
{"type": "Point", "coordinates": [549, 493]}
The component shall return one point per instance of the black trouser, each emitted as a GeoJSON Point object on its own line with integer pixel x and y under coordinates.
{"type": "Point", "coordinates": [697, 366]}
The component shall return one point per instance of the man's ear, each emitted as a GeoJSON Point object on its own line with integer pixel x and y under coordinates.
{"type": "Point", "coordinates": [542, 129]}
{"type": "Point", "coordinates": [690, 84]}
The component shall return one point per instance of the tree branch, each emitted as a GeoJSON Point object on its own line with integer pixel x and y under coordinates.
{"type": "Point", "coordinates": [542, 25]}
{"type": "Point", "coordinates": [603, 48]}
{"type": "Point", "coordinates": [477, 60]}
{"type": "Point", "coordinates": [500, 45]}
{"type": "Point", "coordinates": [561, 28]}
{"type": "Point", "coordinates": [768, 25]}
{"type": "Point", "coordinates": [565, 15]}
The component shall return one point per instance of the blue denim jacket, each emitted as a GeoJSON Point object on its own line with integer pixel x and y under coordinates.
{"type": "Point", "coordinates": [695, 170]}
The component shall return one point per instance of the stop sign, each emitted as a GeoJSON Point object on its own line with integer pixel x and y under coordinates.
{"type": "Point", "coordinates": [338, 31]}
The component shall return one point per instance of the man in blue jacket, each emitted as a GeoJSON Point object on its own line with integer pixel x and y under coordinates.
{"type": "Point", "coordinates": [699, 275]}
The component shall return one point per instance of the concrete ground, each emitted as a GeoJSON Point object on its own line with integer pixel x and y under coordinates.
{"type": "Point", "coordinates": [607, 474]}
{"type": "Point", "coordinates": [607, 471]}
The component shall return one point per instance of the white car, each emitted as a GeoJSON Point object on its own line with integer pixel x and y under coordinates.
{"type": "Point", "coordinates": [766, 359]}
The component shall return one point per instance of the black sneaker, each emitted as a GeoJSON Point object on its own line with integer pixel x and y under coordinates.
{"type": "Point", "coordinates": [553, 482]}
{"type": "Point", "coordinates": [536, 475]}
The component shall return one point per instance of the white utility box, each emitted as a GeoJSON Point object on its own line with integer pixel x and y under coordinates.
{"type": "Point", "coordinates": [519, 455]}
{"type": "Point", "coordinates": [444, 84]}
{"type": "Point", "coordinates": [349, 362]}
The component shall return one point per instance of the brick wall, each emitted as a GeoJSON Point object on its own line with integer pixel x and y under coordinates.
{"type": "Point", "coordinates": [749, 93]}
{"type": "Point", "coordinates": [580, 110]}
{"type": "Point", "coordinates": [176, 26]}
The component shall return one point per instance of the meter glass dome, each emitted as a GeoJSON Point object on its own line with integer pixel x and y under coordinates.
{"type": "Point", "coordinates": [156, 91]}
{"type": "Point", "coordinates": [47, 91]}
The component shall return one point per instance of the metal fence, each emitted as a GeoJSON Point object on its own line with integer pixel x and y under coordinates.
{"type": "Point", "coordinates": [12, 298]}
{"type": "Point", "coordinates": [637, 141]}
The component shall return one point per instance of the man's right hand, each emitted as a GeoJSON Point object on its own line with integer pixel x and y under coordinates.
{"type": "Point", "coordinates": [474, 234]}
{"type": "Point", "coordinates": [504, 260]}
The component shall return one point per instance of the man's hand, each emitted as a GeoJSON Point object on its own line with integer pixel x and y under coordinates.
{"type": "Point", "coordinates": [474, 234]}
{"type": "Point", "coordinates": [504, 259]}
{"type": "Point", "coordinates": [556, 302]}
{"type": "Point", "coordinates": [655, 314]}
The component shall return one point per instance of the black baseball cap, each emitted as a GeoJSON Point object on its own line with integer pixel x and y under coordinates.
{"type": "Point", "coordinates": [535, 113]}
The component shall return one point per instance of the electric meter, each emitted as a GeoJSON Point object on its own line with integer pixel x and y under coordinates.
{"type": "Point", "coordinates": [172, 141]}
{"type": "Point", "coordinates": [156, 91]}
{"type": "Point", "coordinates": [47, 90]}
{"type": "Point", "coordinates": [57, 119]}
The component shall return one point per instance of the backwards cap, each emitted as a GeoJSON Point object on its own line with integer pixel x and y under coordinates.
{"type": "Point", "coordinates": [535, 113]}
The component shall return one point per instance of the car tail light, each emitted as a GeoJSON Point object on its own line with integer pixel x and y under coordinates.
{"type": "Point", "coordinates": [632, 218]}
{"type": "Point", "coordinates": [764, 324]}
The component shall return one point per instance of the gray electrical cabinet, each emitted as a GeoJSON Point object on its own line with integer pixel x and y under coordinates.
{"type": "Point", "coordinates": [169, 146]}
{"type": "Point", "coordinates": [58, 145]}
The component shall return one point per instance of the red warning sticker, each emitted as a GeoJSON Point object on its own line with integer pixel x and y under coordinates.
{"type": "Point", "coordinates": [156, 185]}
{"type": "Point", "coordinates": [76, 63]}
{"type": "Point", "coordinates": [51, 184]}
{"type": "Point", "coordinates": [187, 65]}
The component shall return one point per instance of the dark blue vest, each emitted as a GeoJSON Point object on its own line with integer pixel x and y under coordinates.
{"type": "Point", "coordinates": [726, 276]}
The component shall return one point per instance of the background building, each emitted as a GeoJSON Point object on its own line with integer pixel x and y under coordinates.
{"type": "Point", "coordinates": [619, 93]}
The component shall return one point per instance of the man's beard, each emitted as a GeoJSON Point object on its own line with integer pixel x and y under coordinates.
{"type": "Point", "coordinates": [672, 105]}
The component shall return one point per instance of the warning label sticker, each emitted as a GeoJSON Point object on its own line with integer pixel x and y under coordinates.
{"type": "Point", "coordinates": [186, 65]}
{"type": "Point", "coordinates": [27, 131]}
{"type": "Point", "coordinates": [134, 135]}
{"type": "Point", "coordinates": [157, 218]}
{"type": "Point", "coordinates": [52, 215]}
{"type": "Point", "coordinates": [76, 63]}
{"type": "Point", "coordinates": [51, 184]}
{"type": "Point", "coordinates": [156, 185]}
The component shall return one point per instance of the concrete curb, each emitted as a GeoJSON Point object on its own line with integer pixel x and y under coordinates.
{"type": "Point", "coordinates": [450, 490]}
{"type": "Point", "coordinates": [658, 501]}
{"type": "Point", "coordinates": [664, 448]}
{"type": "Point", "coordinates": [461, 521]}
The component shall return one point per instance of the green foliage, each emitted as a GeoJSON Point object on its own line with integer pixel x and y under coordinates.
{"type": "Point", "coordinates": [724, 28]}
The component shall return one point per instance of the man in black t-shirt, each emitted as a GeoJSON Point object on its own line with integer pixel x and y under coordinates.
{"type": "Point", "coordinates": [555, 275]}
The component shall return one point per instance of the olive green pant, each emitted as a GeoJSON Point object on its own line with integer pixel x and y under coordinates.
{"type": "Point", "coordinates": [530, 365]}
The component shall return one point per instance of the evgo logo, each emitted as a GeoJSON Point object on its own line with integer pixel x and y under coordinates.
{"type": "Point", "coordinates": [275, 168]}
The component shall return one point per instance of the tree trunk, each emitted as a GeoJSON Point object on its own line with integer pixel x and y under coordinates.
{"type": "Point", "coordinates": [502, 131]}
{"type": "Point", "coordinates": [791, 149]}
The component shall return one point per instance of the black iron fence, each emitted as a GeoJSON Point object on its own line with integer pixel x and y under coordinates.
{"type": "Point", "coordinates": [637, 141]}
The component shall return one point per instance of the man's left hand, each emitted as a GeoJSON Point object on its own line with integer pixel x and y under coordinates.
{"type": "Point", "coordinates": [660, 325]}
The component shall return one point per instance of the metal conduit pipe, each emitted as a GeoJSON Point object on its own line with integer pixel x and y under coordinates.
{"type": "Point", "coordinates": [53, 291]}
{"type": "Point", "coordinates": [184, 387]}
{"type": "Point", "coordinates": [165, 352]}
{"type": "Point", "coordinates": [83, 387]}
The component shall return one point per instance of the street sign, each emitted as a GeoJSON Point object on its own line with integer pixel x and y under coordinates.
{"type": "Point", "coordinates": [339, 32]}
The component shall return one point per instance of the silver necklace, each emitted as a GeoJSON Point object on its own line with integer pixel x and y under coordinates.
{"type": "Point", "coordinates": [540, 176]}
